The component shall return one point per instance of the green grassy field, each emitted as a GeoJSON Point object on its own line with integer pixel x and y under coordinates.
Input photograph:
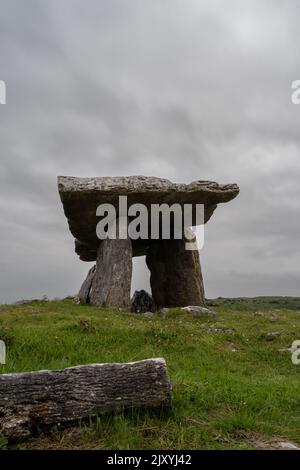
{"type": "Point", "coordinates": [232, 388]}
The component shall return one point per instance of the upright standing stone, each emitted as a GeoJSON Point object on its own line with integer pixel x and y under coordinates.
{"type": "Point", "coordinates": [112, 278]}
{"type": "Point", "coordinates": [176, 277]}
{"type": "Point", "coordinates": [84, 293]}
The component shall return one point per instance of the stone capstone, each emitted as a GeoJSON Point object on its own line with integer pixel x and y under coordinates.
{"type": "Point", "coordinates": [81, 197]}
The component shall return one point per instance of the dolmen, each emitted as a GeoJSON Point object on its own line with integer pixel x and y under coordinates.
{"type": "Point", "coordinates": [175, 271]}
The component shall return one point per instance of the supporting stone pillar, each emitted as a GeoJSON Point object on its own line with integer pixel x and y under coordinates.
{"type": "Point", "coordinates": [84, 293]}
{"type": "Point", "coordinates": [176, 277]}
{"type": "Point", "coordinates": [108, 283]}
{"type": "Point", "coordinates": [112, 278]}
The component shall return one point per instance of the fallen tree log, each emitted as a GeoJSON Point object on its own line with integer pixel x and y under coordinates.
{"type": "Point", "coordinates": [37, 400]}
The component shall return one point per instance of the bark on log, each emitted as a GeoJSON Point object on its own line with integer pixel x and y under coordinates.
{"type": "Point", "coordinates": [37, 400]}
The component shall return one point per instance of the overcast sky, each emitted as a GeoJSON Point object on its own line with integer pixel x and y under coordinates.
{"type": "Point", "coordinates": [179, 89]}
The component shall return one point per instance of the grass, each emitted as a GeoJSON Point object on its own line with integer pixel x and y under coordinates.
{"type": "Point", "coordinates": [232, 389]}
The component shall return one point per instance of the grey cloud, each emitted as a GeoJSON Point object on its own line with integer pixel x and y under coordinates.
{"type": "Point", "coordinates": [182, 90]}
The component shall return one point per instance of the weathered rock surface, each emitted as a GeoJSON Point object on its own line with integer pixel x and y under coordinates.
{"type": "Point", "coordinates": [84, 293]}
{"type": "Point", "coordinates": [81, 196]}
{"type": "Point", "coordinates": [142, 302]}
{"type": "Point", "coordinates": [196, 309]}
{"type": "Point", "coordinates": [111, 283]}
{"type": "Point", "coordinates": [176, 277]}
{"type": "Point", "coordinates": [148, 314]}
{"type": "Point", "coordinates": [272, 335]}
{"type": "Point", "coordinates": [220, 330]}
{"type": "Point", "coordinates": [37, 400]}
{"type": "Point", "coordinates": [283, 445]}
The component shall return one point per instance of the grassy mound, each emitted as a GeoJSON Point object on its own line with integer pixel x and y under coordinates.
{"type": "Point", "coordinates": [232, 388]}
